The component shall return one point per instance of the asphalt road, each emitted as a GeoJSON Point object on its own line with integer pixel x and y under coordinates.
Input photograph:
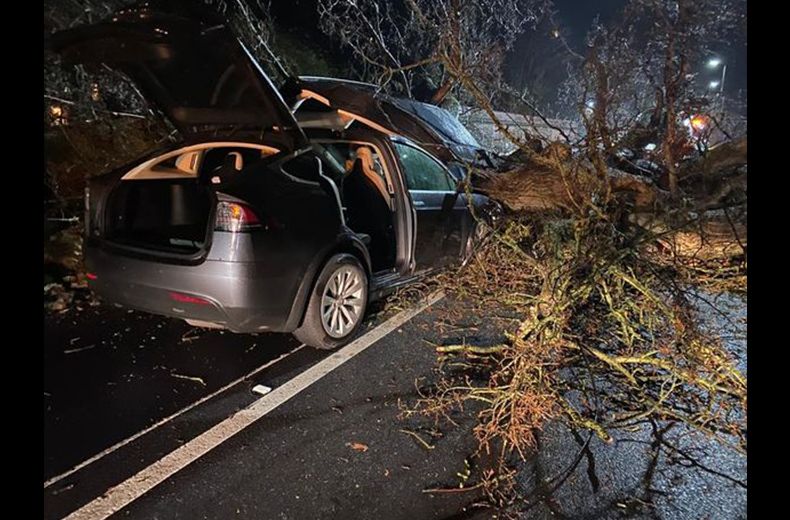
{"type": "Point", "coordinates": [339, 448]}
{"type": "Point", "coordinates": [334, 450]}
{"type": "Point", "coordinates": [109, 373]}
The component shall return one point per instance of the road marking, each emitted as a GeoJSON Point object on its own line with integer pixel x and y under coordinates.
{"type": "Point", "coordinates": [167, 419]}
{"type": "Point", "coordinates": [118, 497]}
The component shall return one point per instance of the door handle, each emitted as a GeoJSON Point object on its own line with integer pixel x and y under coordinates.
{"type": "Point", "coordinates": [419, 203]}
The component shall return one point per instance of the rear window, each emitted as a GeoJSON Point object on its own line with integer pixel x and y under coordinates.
{"type": "Point", "coordinates": [214, 158]}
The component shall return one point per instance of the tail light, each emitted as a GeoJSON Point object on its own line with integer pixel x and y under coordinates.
{"type": "Point", "coordinates": [186, 298]}
{"type": "Point", "coordinates": [235, 218]}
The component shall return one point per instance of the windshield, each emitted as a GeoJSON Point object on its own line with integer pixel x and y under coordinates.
{"type": "Point", "coordinates": [442, 121]}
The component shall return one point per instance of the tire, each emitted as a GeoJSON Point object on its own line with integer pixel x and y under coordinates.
{"type": "Point", "coordinates": [475, 240]}
{"type": "Point", "coordinates": [329, 325]}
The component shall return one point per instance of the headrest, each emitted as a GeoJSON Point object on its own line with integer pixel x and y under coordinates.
{"type": "Point", "coordinates": [235, 160]}
{"type": "Point", "coordinates": [365, 155]}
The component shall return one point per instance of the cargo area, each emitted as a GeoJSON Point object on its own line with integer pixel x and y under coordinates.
{"type": "Point", "coordinates": [168, 215]}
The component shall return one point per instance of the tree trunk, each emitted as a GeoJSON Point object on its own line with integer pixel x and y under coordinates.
{"type": "Point", "coordinates": [539, 188]}
{"type": "Point", "coordinates": [670, 83]}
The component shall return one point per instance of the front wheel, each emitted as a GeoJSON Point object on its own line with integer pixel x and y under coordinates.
{"type": "Point", "coordinates": [475, 241]}
{"type": "Point", "coordinates": [337, 304]}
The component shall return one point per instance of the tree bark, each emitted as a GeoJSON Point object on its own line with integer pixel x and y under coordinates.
{"type": "Point", "coordinates": [538, 188]}
{"type": "Point", "coordinates": [441, 92]}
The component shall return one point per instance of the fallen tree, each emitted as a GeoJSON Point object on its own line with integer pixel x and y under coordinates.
{"type": "Point", "coordinates": [599, 269]}
{"type": "Point", "coordinates": [554, 181]}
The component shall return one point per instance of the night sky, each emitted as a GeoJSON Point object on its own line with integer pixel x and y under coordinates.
{"type": "Point", "coordinates": [577, 16]}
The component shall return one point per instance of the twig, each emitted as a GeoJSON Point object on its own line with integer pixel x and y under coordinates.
{"type": "Point", "coordinates": [189, 378]}
{"type": "Point", "coordinates": [420, 439]}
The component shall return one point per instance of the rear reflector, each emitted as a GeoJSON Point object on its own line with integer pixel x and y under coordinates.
{"type": "Point", "coordinates": [235, 218]}
{"type": "Point", "coordinates": [91, 276]}
{"type": "Point", "coordinates": [185, 298]}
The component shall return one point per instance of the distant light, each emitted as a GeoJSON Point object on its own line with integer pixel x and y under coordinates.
{"type": "Point", "coordinates": [56, 110]}
{"type": "Point", "coordinates": [713, 84]}
{"type": "Point", "coordinates": [650, 147]}
{"type": "Point", "coordinates": [714, 62]}
{"type": "Point", "coordinates": [699, 123]}
{"type": "Point", "coordinates": [555, 33]}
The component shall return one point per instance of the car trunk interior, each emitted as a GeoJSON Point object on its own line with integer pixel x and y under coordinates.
{"type": "Point", "coordinates": [169, 215]}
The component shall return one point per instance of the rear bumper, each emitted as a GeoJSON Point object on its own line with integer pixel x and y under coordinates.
{"type": "Point", "coordinates": [241, 296]}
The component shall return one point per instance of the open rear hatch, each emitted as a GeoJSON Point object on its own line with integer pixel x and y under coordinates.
{"type": "Point", "coordinates": [188, 64]}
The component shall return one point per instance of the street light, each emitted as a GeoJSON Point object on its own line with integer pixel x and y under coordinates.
{"type": "Point", "coordinates": [714, 63]}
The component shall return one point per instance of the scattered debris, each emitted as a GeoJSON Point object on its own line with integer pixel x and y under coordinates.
{"type": "Point", "coordinates": [261, 389]}
{"type": "Point", "coordinates": [358, 446]}
{"type": "Point", "coordinates": [79, 349]}
{"type": "Point", "coordinates": [464, 475]}
{"type": "Point", "coordinates": [57, 298]}
{"type": "Point", "coordinates": [190, 335]}
{"type": "Point", "coordinates": [61, 490]}
{"type": "Point", "coordinates": [419, 439]}
{"type": "Point", "coordinates": [189, 378]}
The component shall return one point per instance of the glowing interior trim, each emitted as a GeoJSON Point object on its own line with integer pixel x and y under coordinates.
{"type": "Point", "coordinates": [309, 94]}
{"type": "Point", "coordinates": [149, 170]}
{"type": "Point", "coordinates": [363, 120]}
{"type": "Point", "coordinates": [377, 150]}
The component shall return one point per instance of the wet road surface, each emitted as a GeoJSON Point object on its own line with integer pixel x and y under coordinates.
{"type": "Point", "coordinates": [109, 373]}
{"type": "Point", "coordinates": [336, 449]}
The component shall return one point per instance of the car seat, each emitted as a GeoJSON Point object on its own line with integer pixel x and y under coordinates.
{"type": "Point", "coordinates": [368, 209]}
{"type": "Point", "coordinates": [231, 165]}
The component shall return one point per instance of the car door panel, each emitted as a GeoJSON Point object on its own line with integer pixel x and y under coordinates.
{"type": "Point", "coordinates": [440, 210]}
{"type": "Point", "coordinates": [441, 222]}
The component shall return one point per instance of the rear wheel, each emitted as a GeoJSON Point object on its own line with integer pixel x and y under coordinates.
{"type": "Point", "coordinates": [337, 304]}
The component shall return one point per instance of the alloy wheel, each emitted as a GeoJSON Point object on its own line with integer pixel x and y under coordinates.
{"type": "Point", "coordinates": [342, 300]}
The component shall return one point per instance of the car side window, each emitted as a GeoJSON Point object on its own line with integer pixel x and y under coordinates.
{"type": "Point", "coordinates": [422, 172]}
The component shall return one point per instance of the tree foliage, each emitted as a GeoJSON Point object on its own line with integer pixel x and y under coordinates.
{"type": "Point", "coordinates": [404, 45]}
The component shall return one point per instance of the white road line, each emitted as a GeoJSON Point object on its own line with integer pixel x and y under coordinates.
{"type": "Point", "coordinates": [131, 489]}
{"type": "Point", "coordinates": [167, 419]}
